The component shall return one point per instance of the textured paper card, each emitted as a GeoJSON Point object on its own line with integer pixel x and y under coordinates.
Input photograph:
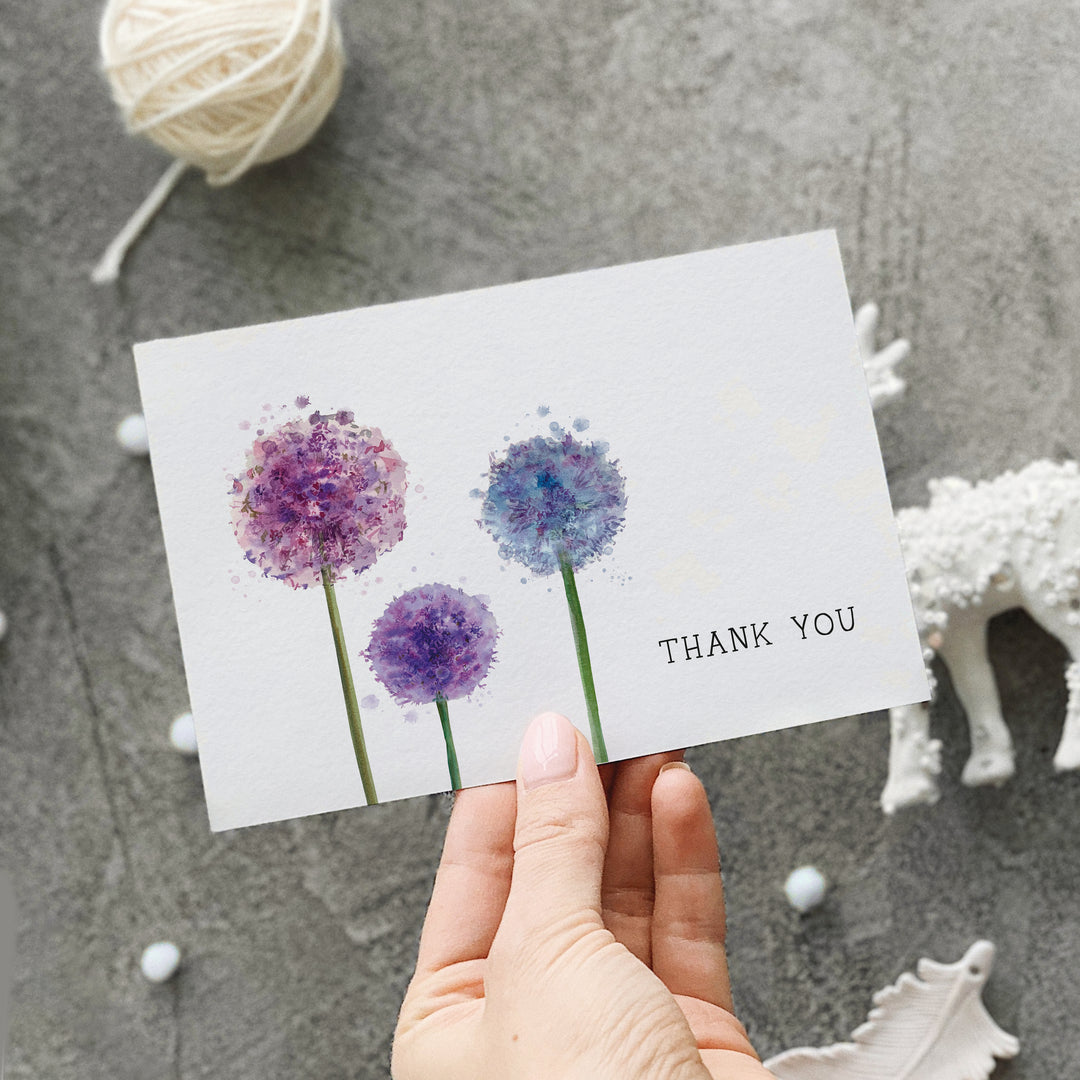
{"type": "Point", "coordinates": [649, 497]}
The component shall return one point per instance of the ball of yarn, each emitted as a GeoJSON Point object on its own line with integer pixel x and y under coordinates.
{"type": "Point", "coordinates": [223, 84]}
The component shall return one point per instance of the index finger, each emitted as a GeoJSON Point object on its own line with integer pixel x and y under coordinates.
{"type": "Point", "coordinates": [473, 880]}
{"type": "Point", "coordinates": [688, 915]}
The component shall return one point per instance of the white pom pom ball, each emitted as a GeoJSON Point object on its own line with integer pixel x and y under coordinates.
{"type": "Point", "coordinates": [182, 734]}
{"type": "Point", "coordinates": [131, 435]}
{"type": "Point", "coordinates": [223, 84]}
{"type": "Point", "coordinates": [160, 961]}
{"type": "Point", "coordinates": [805, 888]}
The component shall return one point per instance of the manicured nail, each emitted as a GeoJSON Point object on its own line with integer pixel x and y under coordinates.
{"type": "Point", "coordinates": [548, 751]}
{"type": "Point", "coordinates": [675, 765]}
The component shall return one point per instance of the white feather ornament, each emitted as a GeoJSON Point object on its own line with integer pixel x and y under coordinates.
{"type": "Point", "coordinates": [933, 1027]}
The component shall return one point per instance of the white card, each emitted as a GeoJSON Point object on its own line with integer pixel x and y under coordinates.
{"type": "Point", "coordinates": [686, 444]}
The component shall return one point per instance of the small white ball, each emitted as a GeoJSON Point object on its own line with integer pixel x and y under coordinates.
{"type": "Point", "coordinates": [182, 734]}
{"type": "Point", "coordinates": [805, 888]}
{"type": "Point", "coordinates": [160, 961]}
{"type": "Point", "coordinates": [131, 435]}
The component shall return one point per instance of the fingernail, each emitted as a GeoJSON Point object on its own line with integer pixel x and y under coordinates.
{"type": "Point", "coordinates": [675, 765]}
{"type": "Point", "coordinates": [548, 751]}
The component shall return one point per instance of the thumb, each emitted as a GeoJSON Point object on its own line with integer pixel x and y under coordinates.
{"type": "Point", "coordinates": [560, 838]}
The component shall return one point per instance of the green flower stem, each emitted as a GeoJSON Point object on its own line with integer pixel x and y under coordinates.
{"type": "Point", "coordinates": [448, 736]}
{"type": "Point", "coordinates": [581, 646]}
{"type": "Point", "coordinates": [351, 708]}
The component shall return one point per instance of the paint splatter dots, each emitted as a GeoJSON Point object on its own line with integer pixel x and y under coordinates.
{"type": "Point", "coordinates": [370, 702]}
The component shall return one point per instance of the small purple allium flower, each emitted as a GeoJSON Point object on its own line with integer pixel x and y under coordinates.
{"type": "Point", "coordinates": [432, 641]}
{"type": "Point", "coordinates": [315, 492]}
{"type": "Point", "coordinates": [552, 496]}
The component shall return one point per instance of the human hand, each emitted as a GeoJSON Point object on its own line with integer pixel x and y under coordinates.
{"type": "Point", "coordinates": [573, 934]}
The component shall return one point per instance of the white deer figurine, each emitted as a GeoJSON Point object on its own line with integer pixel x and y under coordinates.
{"type": "Point", "coordinates": [978, 550]}
{"type": "Point", "coordinates": [975, 551]}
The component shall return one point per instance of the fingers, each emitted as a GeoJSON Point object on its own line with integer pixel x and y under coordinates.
{"type": "Point", "coordinates": [561, 834]}
{"type": "Point", "coordinates": [627, 891]}
{"type": "Point", "coordinates": [715, 1028]}
{"type": "Point", "coordinates": [473, 879]}
{"type": "Point", "coordinates": [607, 777]}
{"type": "Point", "coordinates": [688, 913]}
{"type": "Point", "coordinates": [735, 1064]}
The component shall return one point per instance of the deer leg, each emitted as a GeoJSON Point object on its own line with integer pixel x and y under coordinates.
{"type": "Point", "coordinates": [964, 650]}
{"type": "Point", "coordinates": [1068, 751]}
{"type": "Point", "coordinates": [914, 759]}
{"type": "Point", "coordinates": [1054, 622]}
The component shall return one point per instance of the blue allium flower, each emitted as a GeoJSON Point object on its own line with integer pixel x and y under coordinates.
{"type": "Point", "coordinates": [432, 641]}
{"type": "Point", "coordinates": [552, 497]}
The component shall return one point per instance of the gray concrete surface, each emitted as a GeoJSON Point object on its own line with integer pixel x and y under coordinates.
{"type": "Point", "coordinates": [474, 144]}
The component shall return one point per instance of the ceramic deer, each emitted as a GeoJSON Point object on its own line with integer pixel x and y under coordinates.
{"type": "Point", "coordinates": [975, 551]}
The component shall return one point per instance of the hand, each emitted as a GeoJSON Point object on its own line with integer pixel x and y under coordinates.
{"type": "Point", "coordinates": [574, 935]}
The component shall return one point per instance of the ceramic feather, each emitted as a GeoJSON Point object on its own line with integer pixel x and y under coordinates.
{"type": "Point", "coordinates": [930, 1027]}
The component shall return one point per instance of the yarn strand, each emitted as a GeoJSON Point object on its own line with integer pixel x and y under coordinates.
{"type": "Point", "coordinates": [108, 268]}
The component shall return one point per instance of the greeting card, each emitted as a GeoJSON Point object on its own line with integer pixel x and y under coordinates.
{"type": "Point", "coordinates": [649, 497]}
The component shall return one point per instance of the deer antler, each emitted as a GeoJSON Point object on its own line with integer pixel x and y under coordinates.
{"type": "Point", "coordinates": [885, 385]}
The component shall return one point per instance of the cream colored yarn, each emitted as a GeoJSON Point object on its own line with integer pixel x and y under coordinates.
{"type": "Point", "coordinates": [220, 84]}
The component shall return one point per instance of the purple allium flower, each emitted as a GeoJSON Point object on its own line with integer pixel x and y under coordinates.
{"type": "Point", "coordinates": [551, 496]}
{"type": "Point", "coordinates": [432, 641]}
{"type": "Point", "coordinates": [315, 492]}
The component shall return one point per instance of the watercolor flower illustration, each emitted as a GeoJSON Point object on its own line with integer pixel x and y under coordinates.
{"type": "Point", "coordinates": [556, 504]}
{"type": "Point", "coordinates": [434, 643]}
{"type": "Point", "coordinates": [320, 497]}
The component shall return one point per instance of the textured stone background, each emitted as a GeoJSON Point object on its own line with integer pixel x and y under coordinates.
{"type": "Point", "coordinates": [474, 144]}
